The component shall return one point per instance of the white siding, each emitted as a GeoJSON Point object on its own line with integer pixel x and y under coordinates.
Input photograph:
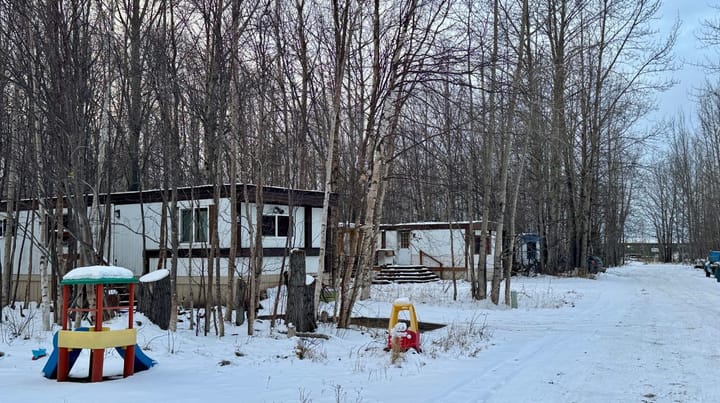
{"type": "Point", "coordinates": [316, 226]}
{"type": "Point", "coordinates": [23, 241]}
{"type": "Point", "coordinates": [126, 241]}
{"type": "Point", "coordinates": [437, 243]}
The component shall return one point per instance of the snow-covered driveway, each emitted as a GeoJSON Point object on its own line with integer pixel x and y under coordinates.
{"type": "Point", "coordinates": [641, 333]}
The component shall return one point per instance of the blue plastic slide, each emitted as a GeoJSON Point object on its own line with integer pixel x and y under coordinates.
{"type": "Point", "coordinates": [50, 368]}
{"type": "Point", "coordinates": [142, 361]}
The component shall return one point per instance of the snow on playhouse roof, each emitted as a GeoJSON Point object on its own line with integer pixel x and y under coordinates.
{"type": "Point", "coordinates": [99, 275]}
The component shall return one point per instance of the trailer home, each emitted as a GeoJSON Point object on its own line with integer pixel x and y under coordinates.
{"type": "Point", "coordinates": [290, 219]}
{"type": "Point", "coordinates": [443, 247]}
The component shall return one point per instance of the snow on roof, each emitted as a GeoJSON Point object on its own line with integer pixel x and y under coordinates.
{"type": "Point", "coordinates": [434, 224]}
{"type": "Point", "coordinates": [99, 275]}
{"type": "Point", "coordinates": [281, 188]}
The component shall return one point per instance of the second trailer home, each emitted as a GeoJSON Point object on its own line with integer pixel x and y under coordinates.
{"type": "Point", "coordinates": [445, 248]}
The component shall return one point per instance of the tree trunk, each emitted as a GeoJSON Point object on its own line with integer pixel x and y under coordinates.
{"type": "Point", "coordinates": [135, 119]}
{"type": "Point", "coordinates": [235, 128]}
{"type": "Point", "coordinates": [156, 302]}
{"type": "Point", "coordinates": [488, 145]}
{"type": "Point", "coordinates": [300, 310]}
{"type": "Point", "coordinates": [507, 139]}
{"type": "Point", "coordinates": [256, 252]}
{"type": "Point", "coordinates": [215, 241]}
{"type": "Point", "coordinates": [241, 302]}
{"type": "Point", "coordinates": [522, 155]}
{"type": "Point", "coordinates": [343, 36]}
{"type": "Point", "coordinates": [59, 261]}
{"type": "Point", "coordinates": [10, 234]}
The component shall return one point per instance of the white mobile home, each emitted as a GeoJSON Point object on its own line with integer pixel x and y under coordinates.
{"type": "Point", "coordinates": [439, 246]}
{"type": "Point", "coordinates": [290, 219]}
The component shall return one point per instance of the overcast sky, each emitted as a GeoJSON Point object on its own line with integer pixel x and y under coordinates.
{"type": "Point", "coordinates": [688, 51]}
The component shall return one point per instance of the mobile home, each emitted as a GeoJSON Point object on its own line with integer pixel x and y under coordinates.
{"type": "Point", "coordinates": [439, 246]}
{"type": "Point", "coordinates": [290, 219]}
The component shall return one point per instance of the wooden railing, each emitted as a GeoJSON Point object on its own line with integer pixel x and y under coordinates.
{"type": "Point", "coordinates": [425, 255]}
{"type": "Point", "coordinates": [440, 269]}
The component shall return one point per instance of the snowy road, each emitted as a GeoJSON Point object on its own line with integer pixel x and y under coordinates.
{"type": "Point", "coordinates": [639, 334]}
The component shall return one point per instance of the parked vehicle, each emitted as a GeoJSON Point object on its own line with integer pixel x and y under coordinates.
{"type": "Point", "coordinates": [527, 254]}
{"type": "Point", "coordinates": [595, 264]}
{"type": "Point", "coordinates": [712, 262]}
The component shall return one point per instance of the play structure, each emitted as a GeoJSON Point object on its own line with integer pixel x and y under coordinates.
{"type": "Point", "coordinates": [67, 343]}
{"type": "Point", "coordinates": [406, 333]}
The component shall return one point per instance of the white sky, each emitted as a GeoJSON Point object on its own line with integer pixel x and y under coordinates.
{"type": "Point", "coordinates": [689, 50]}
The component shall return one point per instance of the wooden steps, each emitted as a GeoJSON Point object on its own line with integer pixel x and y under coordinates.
{"type": "Point", "coordinates": [401, 274]}
{"type": "Point", "coordinates": [120, 295]}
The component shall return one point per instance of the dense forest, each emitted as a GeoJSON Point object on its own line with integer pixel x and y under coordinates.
{"type": "Point", "coordinates": [524, 113]}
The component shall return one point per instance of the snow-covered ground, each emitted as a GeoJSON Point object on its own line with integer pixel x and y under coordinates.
{"type": "Point", "coordinates": [638, 333]}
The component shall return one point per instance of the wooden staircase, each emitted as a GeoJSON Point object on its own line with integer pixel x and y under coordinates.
{"type": "Point", "coordinates": [403, 274]}
{"type": "Point", "coordinates": [120, 295]}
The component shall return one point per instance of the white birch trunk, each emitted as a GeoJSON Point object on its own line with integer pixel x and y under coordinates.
{"type": "Point", "coordinates": [10, 233]}
{"type": "Point", "coordinates": [343, 38]}
{"type": "Point", "coordinates": [504, 168]}
{"type": "Point", "coordinates": [44, 281]}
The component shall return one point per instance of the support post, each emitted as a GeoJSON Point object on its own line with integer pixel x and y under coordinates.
{"type": "Point", "coordinates": [63, 368]}
{"type": "Point", "coordinates": [97, 355]}
{"type": "Point", "coordinates": [131, 305]}
{"type": "Point", "coordinates": [129, 364]}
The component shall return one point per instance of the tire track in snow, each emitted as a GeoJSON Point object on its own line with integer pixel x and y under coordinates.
{"type": "Point", "coordinates": [538, 342]}
{"type": "Point", "coordinates": [640, 340]}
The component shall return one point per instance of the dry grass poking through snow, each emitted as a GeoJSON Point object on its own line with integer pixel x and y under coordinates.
{"type": "Point", "coordinates": [436, 293]}
{"type": "Point", "coordinates": [464, 339]}
{"type": "Point", "coordinates": [310, 349]}
{"type": "Point", "coordinates": [19, 325]}
{"type": "Point", "coordinates": [544, 297]}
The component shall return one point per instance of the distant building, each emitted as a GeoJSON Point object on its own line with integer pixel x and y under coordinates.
{"type": "Point", "coordinates": [439, 246]}
{"type": "Point", "coordinates": [651, 252]}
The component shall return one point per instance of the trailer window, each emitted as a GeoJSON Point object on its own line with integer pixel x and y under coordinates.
{"type": "Point", "coordinates": [275, 225]}
{"type": "Point", "coordinates": [194, 225]}
{"type": "Point", "coordinates": [404, 240]}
